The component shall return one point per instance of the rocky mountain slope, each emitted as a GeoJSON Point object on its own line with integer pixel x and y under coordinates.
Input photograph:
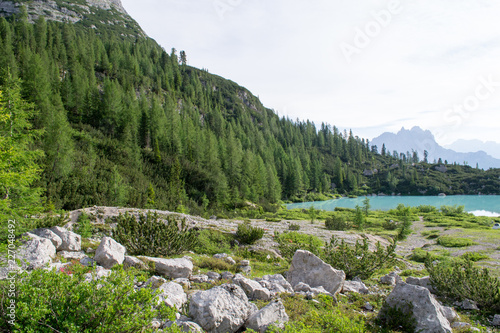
{"type": "Point", "coordinates": [416, 139]}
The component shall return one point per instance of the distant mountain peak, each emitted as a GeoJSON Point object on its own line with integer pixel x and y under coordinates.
{"type": "Point", "coordinates": [420, 140]}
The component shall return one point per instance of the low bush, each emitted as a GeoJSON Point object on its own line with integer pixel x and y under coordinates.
{"type": "Point", "coordinates": [65, 302]}
{"type": "Point", "coordinates": [397, 319]}
{"type": "Point", "coordinates": [358, 260]}
{"type": "Point", "coordinates": [294, 227]}
{"type": "Point", "coordinates": [247, 234]}
{"type": "Point", "coordinates": [461, 280]}
{"type": "Point", "coordinates": [420, 255]}
{"type": "Point", "coordinates": [337, 222]}
{"type": "Point", "coordinates": [448, 241]}
{"type": "Point", "coordinates": [430, 234]}
{"type": "Point", "coordinates": [452, 210]}
{"type": "Point", "coordinates": [84, 227]}
{"type": "Point", "coordinates": [213, 241]}
{"type": "Point", "coordinates": [426, 209]}
{"type": "Point", "coordinates": [404, 229]}
{"type": "Point", "coordinates": [273, 219]}
{"type": "Point", "coordinates": [474, 256]}
{"type": "Point", "coordinates": [214, 264]}
{"type": "Point", "coordinates": [151, 236]}
{"type": "Point", "coordinates": [290, 242]}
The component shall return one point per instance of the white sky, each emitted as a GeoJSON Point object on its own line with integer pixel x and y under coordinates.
{"type": "Point", "coordinates": [426, 57]}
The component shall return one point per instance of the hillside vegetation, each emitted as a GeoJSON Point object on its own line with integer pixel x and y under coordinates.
{"type": "Point", "coordinates": [118, 121]}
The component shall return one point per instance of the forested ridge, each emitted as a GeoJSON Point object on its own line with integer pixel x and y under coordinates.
{"type": "Point", "coordinates": [119, 121]}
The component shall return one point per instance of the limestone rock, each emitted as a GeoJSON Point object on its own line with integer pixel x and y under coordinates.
{"type": "Point", "coordinates": [276, 284]}
{"type": "Point", "coordinates": [496, 320]}
{"type": "Point", "coordinates": [37, 252]}
{"type": "Point", "coordinates": [109, 253]}
{"type": "Point", "coordinates": [154, 282]}
{"type": "Point", "coordinates": [172, 268]}
{"type": "Point", "coordinates": [202, 278]}
{"type": "Point", "coordinates": [172, 294]}
{"type": "Point", "coordinates": [49, 234]}
{"type": "Point", "coordinates": [222, 309]}
{"type": "Point", "coordinates": [72, 255]}
{"type": "Point", "coordinates": [422, 282]}
{"type": "Point", "coordinates": [273, 313]}
{"type": "Point", "coordinates": [253, 289]}
{"type": "Point", "coordinates": [308, 268]}
{"type": "Point", "coordinates": [129, 261]}
{"type": "Point", "coordinates": [450, 313]}
{"type": "Point", "coordinates": [419, 303]}
{"type": "Point", "coordinates": [354, 287]}
{"type": "Point", "coordinates": [391, 279]}
{"type": "Point", "coordinates": [70, 240]}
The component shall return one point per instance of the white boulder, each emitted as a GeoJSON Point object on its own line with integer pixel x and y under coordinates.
{"type": "Point", "coordinates": [109, 253]}
{"type": "Point", "coordinates": [70, 240]}
{"type": "Point", "coordinates": [172, 268]}
{"type": "Point", "coordinates": [222, 309]}
{"type": "Point", "coordinates": [49, 234]}
{"type": "Point", "coordinates": [276, 284]}
{"type": "Point", "coordinates": [253, 289]}
{"type": "Point", "coordinates": [172, 294]}
{"type": "Point", "coordinates": [311, 270]}
{"type": "Point", "coordinates": [273, 313]}
{"type": "Point", "coordinates": [37, 252]}
{"type": "Point", "coordinates": [354, 287]}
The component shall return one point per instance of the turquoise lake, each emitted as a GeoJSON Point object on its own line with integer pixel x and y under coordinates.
{"type": "Point", "coordinates": [481, 205]}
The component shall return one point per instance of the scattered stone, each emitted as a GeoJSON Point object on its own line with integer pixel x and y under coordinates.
{"type": "Point", "coordinates": [309, 292]}
{"type": "Point", "coordinates": [172, 268]}
{"type": "Point", "coordinates": [220, 255]}
{"type": "Point", "coordinates": [273, 313]}
{"type": "Point", "coordinates": [230, 261]}
{"type": "Point", "coordinates": [252, 289]}
{"type": "Point", "coordinates": [420, 304]}
{"type": "Point", "coordinates": [49, 234]}
{"type": "Point", "coordinates": [496, 320]}
{"type": "Point", "coordinates": [86, 261]}
{"type": "Point", "coordinates": [391, 279]}
{"type": "Point", "coordinates": [154, 282]}
{"type": "Point", "coordinates": [467, 305]}
{"type": "Point", "coordinates": [185, 326]}
{"type": "Point", "coordinates": [183, 282]}
{"type": "Point", "coordinates": [460, 325]}
{"type": "Point", "coordinates": [354, 287]}
{"type": "Point", "coordinates": [72, 255]}
{"type": "Point", "coordinates": [227, 276]}
{"type": "Point", "coordinates": [245, 263]}
{"type": "Point", "coordinates": [368, 306]}
{"type": "Point", "coordinates": [422, 282]}
{"type": "Point", "coordinates": [244, 266]}
{"type": "Point", "coordinates": [129, 261]}
{"type": "Point", "coordinates": [221, 309]}
{"type": "Point", "coordinates": [450, 313]}
{"type": "Point", "coordinates": [276, 284]}
{"type": "Point", "coordinates": [172, 294]}
{"type": "Point", "coordinates": [109, 253]}
{"type": "Point", "coordinates": [213, 276]}
{"type": "Point", "coordinates": [70, 240]}
{"type": "Point", "coordinates": [90, 250]}
{"type": "Point", "coordinates": [308, 268]}
{"type": "Point", "coordinates": [199, 278]}
{"type": "Point", "coordinates": [37, 252]}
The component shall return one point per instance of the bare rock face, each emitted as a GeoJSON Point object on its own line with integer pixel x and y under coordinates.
{"type": "Point", "coordinates": [222, 309]}
{"type": "Point", "coordinates": [273, 313]}
{"type": "Point", "coordinates": [109, 253]}
{"type": "Point", "coordinates": [419, 303]}
{"type": "Point", "coordinates": [311, 270]}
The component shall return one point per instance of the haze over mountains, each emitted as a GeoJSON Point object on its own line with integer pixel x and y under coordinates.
{"type": "Point", "coordinates": [420, 140]}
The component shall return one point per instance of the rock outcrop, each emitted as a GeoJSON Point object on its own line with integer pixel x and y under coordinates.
{"type": "Point", "coordinates": [70, 240]}
{"type": "Point", "coordinates": [172, 268]}
{"type": "Point", "coordinates": [273, 313]}
{"type": "Point", "coordinates": [109, 253]}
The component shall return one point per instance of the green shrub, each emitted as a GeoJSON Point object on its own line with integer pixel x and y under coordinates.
{"type": "Point", "coordinates": [214, 264]}
{"type": "Point", "coordinates": [430, 234]}
{"type": "Point", "coordinates": [390, 225]}
{"type": "Point", "coordinates": [84, 226]}
{"type": "Point", "coordinates": [452, 210]}
{"type": "Point", "coordinates": [474, 256]}
{"type": "Point", "coordinates": [213, 241]}
{"type": "Point", "coordinates": [448, 241]}
{"type": "Point", "coordinates": [273, 219]}
{"type": "Point", "coordinates": [151, 236]}
{"type": "Point", "coordinates": [51, 221]}
{"type": "Point", "coordinates": [426, 209]}
{"type": "Point", "coordinates": [294, 227]}
{"type": "Point", "coordinates": [290, 242]}
{"type": "Point", "coordinates": [461, 280]}
{"type": "Point", "coordinates": [405, 229]}
{"type": "Point", "coordinates": [420, 255]}
{"type": "Point", "coordinates": [358, 260]}
{"type": "Point", "coordinates": [397, 318]}
{"type": "Point", "coordinates": [246, 234]}
{"type": "Point", "coordinates": [63, 302]}
{"type": "Point", "coordinates": [337, 222]}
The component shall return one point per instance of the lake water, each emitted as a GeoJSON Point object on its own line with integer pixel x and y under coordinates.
{"type": "Point", "coordinates": [480, 205]}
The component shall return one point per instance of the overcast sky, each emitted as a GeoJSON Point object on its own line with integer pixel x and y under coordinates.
{"type": "Point", "coordinates": [369, 65]}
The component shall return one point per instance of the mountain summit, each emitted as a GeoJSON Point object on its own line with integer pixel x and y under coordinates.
{"type": "Point", "coordinates": [419, 140]}
{"type": "Point", "coordinates": [95, 14]}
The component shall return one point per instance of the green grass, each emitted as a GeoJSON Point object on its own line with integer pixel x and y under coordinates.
{"type": "Point", "coordinates": [449, 241]}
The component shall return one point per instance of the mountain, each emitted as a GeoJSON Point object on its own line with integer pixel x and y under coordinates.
{"type": "Point", "coordinates": [100, 15]}
{"type": "Point", "coordinates": [490, 147]}
{"type": "Point", "coordinates": [120, 121]}
{"type": "Point", "coordinates": [419, 140]}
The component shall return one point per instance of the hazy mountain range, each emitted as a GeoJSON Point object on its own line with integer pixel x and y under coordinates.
{"type": "Point", "coordinates": [419, 140]}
